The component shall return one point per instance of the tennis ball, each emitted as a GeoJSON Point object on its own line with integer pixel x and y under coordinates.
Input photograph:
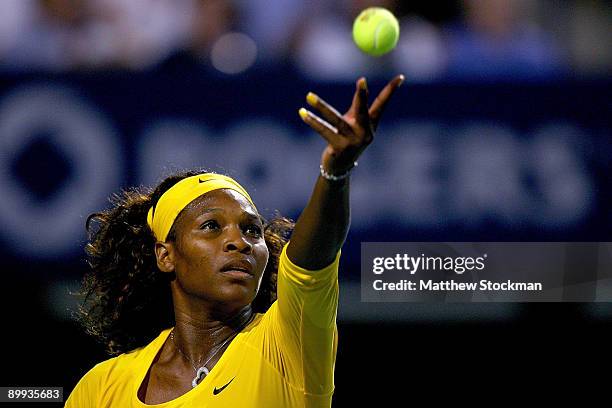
{"type": "Point", "coordinates": [376, 31]}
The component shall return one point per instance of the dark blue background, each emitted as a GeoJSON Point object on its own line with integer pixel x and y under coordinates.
{"type": "Point", "coordinates": [436, 351]}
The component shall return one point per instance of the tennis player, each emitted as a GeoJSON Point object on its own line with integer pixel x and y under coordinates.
{"type": "Point", "coordinates": [206, 304]}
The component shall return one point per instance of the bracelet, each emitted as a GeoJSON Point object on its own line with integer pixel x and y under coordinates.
{"type": "Point", "coordinates": [333, 177]}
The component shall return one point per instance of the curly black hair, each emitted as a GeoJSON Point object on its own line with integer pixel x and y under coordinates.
{"type": "Point", "coordinates": [126, 300]}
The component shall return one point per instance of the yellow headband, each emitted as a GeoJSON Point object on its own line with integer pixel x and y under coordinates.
{"type": "Point", "coordinates": [161, 217]}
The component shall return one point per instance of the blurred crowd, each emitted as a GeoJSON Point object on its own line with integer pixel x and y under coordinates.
{"type": "Point", "coordinates": [442, 40]}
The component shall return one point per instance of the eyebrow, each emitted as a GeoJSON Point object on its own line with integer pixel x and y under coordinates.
{"type": "Point", "coordinates": [208, 210]}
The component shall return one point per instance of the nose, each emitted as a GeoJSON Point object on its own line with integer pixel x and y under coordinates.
{"type": "Point", "coordinates": [235, 241]}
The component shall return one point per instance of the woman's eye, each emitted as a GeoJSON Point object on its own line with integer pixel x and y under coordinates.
{"type": "Point", "coordinates": [211, 224]}
{"type": "Point", "coordinates": [254, 229]}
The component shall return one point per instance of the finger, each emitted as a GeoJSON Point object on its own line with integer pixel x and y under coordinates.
{"type": "Point", "coordinates": [383, 97]}
{"type": "Point", "coordinates": [360, 103]}
{"type": "Point", "coordinates": [323, 128]}
{"type": "Point", "coordinates": [329, 113]}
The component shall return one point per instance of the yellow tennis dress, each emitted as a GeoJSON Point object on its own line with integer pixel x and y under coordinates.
{"type": "Point", "coordinates": [283, 358]}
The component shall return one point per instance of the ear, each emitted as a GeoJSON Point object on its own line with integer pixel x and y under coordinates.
{"type": "Point", "coordinates": [164, 252]}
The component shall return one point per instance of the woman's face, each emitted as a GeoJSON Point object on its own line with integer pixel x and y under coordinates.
{"type": "Point", "coordinates": [220, 254]}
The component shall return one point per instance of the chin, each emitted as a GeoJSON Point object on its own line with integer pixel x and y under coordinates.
{"type": "Point", "coordinates": [238, 296]}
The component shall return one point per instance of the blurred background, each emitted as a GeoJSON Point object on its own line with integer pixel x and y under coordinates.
{"type": "Point", "coordinates": [500, 133]}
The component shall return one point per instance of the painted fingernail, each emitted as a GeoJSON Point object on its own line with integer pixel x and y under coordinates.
{"type": "Point", "coordinates": [312, 98]}
{"type": "Point", "coordinates": [402, 79]}
{"type": "Point", "coordinates": [363, 85]}
{"type": "Point", "coordinates": [303, 113]}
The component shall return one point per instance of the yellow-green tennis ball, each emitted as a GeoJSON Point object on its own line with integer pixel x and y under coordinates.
{"type": "Point", "coordinates": [376, 31]}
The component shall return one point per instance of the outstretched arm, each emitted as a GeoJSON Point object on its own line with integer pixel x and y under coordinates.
{"type": "Point", "coordinates": [321, 229]}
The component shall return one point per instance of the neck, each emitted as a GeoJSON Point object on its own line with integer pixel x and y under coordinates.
{"type": "Point", "coordinates": [197, 338]}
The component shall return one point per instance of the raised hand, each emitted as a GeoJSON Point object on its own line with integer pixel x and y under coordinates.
{"type": "Point", "coordinates": [348, 135]}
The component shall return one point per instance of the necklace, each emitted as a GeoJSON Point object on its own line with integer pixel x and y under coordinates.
{"type": "Point", "coordinates": [202, 371]}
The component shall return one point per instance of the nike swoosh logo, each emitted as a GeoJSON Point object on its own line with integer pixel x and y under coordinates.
{"type": "Point", "coordinates": [218, 390]}
{"type": "Point", "coordinates": [204, 181]}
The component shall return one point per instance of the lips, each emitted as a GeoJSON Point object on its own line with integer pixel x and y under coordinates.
{"type": "Point", "coordinates": [240, 265]}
